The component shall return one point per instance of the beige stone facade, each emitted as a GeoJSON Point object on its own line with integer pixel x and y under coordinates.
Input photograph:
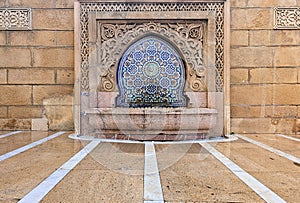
{"type": "Point", "coordinates": [264, 69]}
{"type": "Point", "coordinates": [37, 69]}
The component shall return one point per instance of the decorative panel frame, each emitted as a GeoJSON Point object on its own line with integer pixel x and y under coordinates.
{"type": "Point", "coordinates": [15, 19]}
{"type": "Point", "coordinates": [287, 18]}
{"type": "Point", "coordinates": [216, 12]}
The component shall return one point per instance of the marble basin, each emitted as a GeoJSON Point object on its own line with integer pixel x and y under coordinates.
{"type": "Point", "coordinates": [152, 123]}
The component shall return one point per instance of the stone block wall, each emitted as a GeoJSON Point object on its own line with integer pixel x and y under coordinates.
{"type": "Point", "coordinates": [265, 69]}
{"type": "Point", "coordinates": [37, 68]}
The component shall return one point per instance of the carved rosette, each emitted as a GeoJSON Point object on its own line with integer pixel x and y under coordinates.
{"type": "Point", "coordinates": [184, 35]}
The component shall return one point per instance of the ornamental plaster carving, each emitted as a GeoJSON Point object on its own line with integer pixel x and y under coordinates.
{"type": "Point", "coordinates": [184, 35]}
{"type": "Point", "coordinates": [15, 19]}
{"type": "Point", "coordinates": [287, 18]}
{"type": "Point", "coordinates": [188, 37]}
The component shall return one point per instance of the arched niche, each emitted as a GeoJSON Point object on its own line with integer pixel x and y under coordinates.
{"type": "Point", "coordinates": [151, 73]}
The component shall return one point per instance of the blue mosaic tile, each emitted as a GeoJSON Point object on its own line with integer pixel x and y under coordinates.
{"type": "Point", "coordinates": [151, 73]}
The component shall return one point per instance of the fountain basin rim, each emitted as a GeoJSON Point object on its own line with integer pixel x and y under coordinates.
{"type": "Point", "coordinates": [226, 138]}
{"type": "Point", "coordinates": [171, 111]}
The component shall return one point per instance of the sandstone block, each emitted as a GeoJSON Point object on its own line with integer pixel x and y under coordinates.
{"type": "Point", "coordinates": [239, 38]}
{"type": "Point", "coordinates": [65, 38]}
{"type": "Point", "coordinates": [286, 94]}
{"type": "Point", "coordinates": [252, 125]}
{"type": "Point", "coordinates": [64, 4]}
{"type": "Point", "coordinates": [280, 111]}
{"type": "Point", "coordinates": [3, 112]}
{"type": "Point", "coordinates": [251, 18]}
{"type": "Point", "coordinates": [20, 37]}
{"type": "Point", "coordinates": [53, 57]}
{"type": "Point", "coordinates": [285, 37]}
{"type": "Point", "coordinates": [31, 76]}
{"type": "Point", "coordinates": [15, 124]}
{"type": "Point", "coordinates": [238, 76]}
{"type": "Point", "coordinates": [3, 76]}
{"type": "Point", "coordinates": [25, 111]}
{"type": "Point", "coordinates": [32, 3]}
{"type": "Point", "coordinates": [239, 111]}
{"type": "Point", "coordinates": [284, 125]}
{"type": "Point", "coordinates": [286, 75]}
{"type": "Point", "coordinates": [248, 111]}
{"type": "Point", "coordinates": [39, 124]}
{"type": "Point", "coordinates": [45, 38]}
{"type": "Point", "coordinates": [271, 75]}
{"type": "Point", "coordinates": [260, 37]}
{"type": "Point", "coordinates": [296, 127]}
{"type": "Point", "coordinates": [60, 117]}
{"type": "Point", "coordinates": [2, 38]}
{"type": "Point", "coordinates": [287, 56]}
{"type": "Point", "coordinates": [65, 100]}
{"type": "Point", "coordinates": [271, 3]}
{"type": "Point", "coordinates": [298, 107]}
{"type": "Point", "coordinates": [59, 112]}
{"type": "Point", "coordinates": [61, 19]}
{"type": "Point", "coordinates": [257, 111]}
{"type": "Point", "coordinates": [298, 75]}
{"type": "Point", "coordinates": [35, 38]}
{"type": "Point", "coordinates": [238, 3]}
{"type": "Point", "coordinates": [65, 76]}
{"type": "Point", "coordinates": [15, 57]}
{"type": "Point", "coordinates": [42, 92]}
{"type": "Point", "coordinates": [251, 57]}
{"type": "Point", "coordinates": [15, 95]}
{"type": "Point", "coordinates": [251, 95]}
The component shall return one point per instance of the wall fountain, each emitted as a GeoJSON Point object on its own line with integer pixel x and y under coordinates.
{"type": "Point", "coordinates": [150, 70]}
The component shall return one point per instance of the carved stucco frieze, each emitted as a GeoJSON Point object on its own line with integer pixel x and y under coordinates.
{"type": "Point", "coordinates": [287, 18]}
{"type": "Point", "coordinates": [188, 37]}
{"type": "Point", "coordinates": [197, 72]}
{"type": "Point", "coordinates": [15, 19]}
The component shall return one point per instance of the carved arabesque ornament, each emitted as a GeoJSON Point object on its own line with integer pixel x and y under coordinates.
{"type": "Point", "coordinates": [15, 19]}
{"type": "Point", "coordinates": [287, 18]}
{"type": "Point", "coordinates": [188, 37]}
{"type": "Point", "coordinates": [216, 7]}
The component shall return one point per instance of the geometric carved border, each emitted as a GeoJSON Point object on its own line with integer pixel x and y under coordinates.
{"type": "Point", "coordinates": [215, 7]}
{"type": "Point", "coordinates": [287, 18]}
{"type": "Point", "coordinates": [15, 19]}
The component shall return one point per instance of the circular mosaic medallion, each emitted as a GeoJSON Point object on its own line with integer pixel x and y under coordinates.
{"type": "Point", "coordinates": [151, 69]}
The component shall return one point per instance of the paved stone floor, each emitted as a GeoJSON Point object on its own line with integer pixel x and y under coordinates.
{"type": "Point", "coordinates": [51, 167]}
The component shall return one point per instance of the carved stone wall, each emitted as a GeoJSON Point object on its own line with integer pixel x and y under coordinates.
{"type": "Point", "coordinates": [15, 19]}
{"type": "Point", "coordinates": [186, 34]}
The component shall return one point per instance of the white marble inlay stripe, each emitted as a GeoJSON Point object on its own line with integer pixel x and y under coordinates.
{"type": "Point", "coordinates": [9, 134]}
{"type": "Point", "coordinates": [152, 185]}
{"type": "Point", "coordinates": [39, 192]}
{"type": "Point", "coordinates": [271, 149]}
{"type": "Point", "coordinates": [29, 146]}
{"type": "Point", "coordinates": [260, 189]}
{"type": "Point", "coordinates": [288, 137]}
